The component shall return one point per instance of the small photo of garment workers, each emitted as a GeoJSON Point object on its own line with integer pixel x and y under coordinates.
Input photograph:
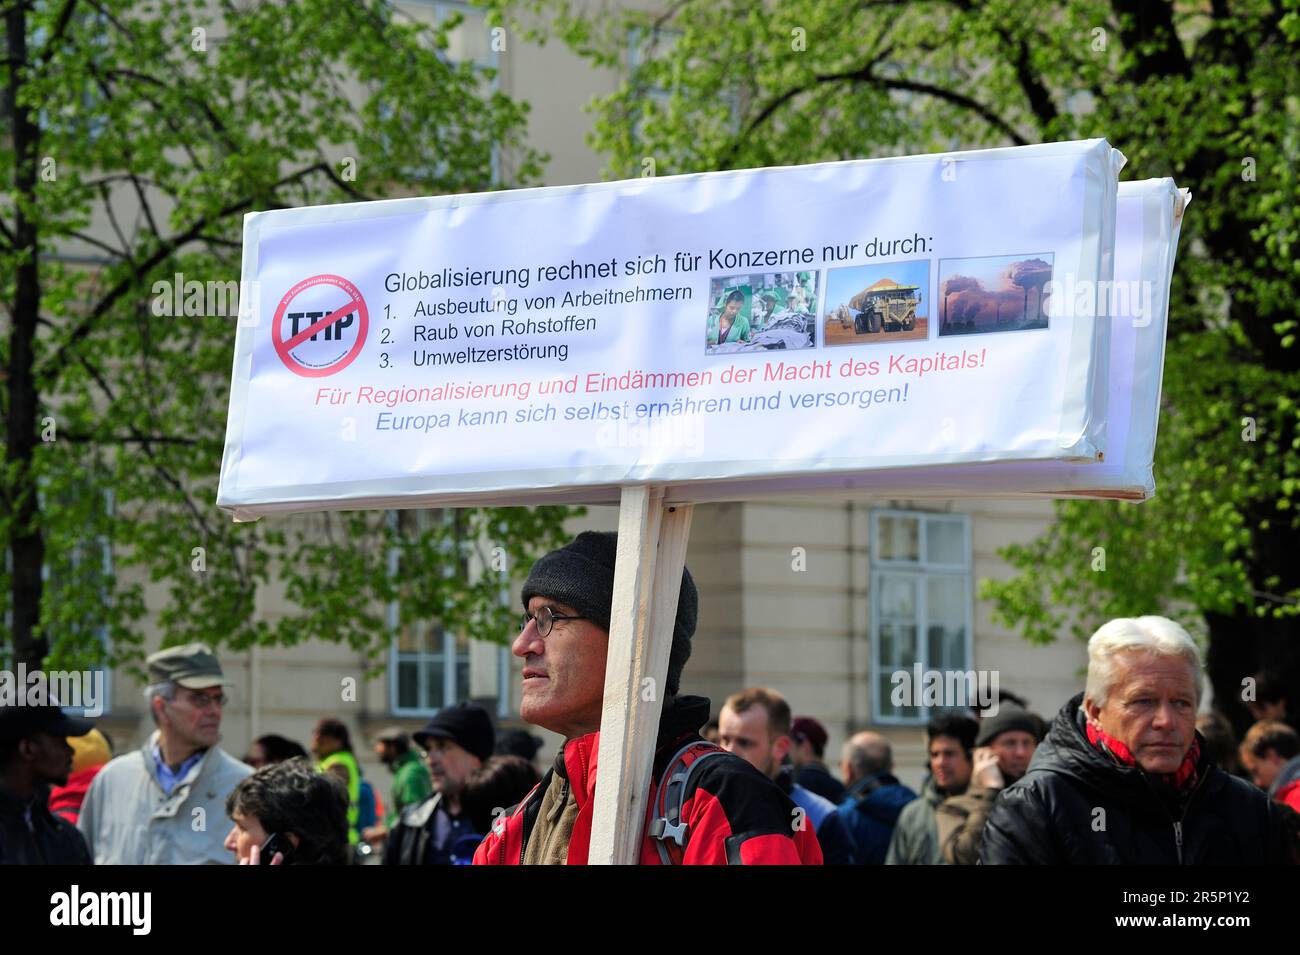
{"type": "Point", "coordinates": [762, 312]}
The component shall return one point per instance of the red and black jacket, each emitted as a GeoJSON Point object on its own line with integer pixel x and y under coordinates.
{"type": "Point", "coordinates": [735, 814]}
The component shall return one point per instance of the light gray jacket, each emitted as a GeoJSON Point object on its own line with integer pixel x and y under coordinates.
{"type": "Point", "coordinates": [916, 834]}
{"type": "Point", "coordinates": [127, 819]}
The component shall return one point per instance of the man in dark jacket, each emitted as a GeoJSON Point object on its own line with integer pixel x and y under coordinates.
{"type": "Point", "coordinates": [458, 740]}
{"type": "Point", "coordinates": [1122, 778]}
{"type": "Point", "coordinates": [34, 754]}
{"type": "Point", "coordinates": [874, 798]}
{"type": "Point", "coordinates": [721, 811]}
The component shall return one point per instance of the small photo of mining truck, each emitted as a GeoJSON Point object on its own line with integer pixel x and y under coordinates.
{"type": "Point", "coordinates": [884, 306]}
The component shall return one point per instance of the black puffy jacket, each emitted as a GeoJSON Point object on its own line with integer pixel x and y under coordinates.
{"type": "Point", "coordinates": [1075, 805]}
{"type": "Point", "coordinates": [37, 837]}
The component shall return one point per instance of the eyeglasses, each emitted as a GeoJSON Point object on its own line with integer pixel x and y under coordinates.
{"type": "Point", "coordinates": [201, 701]}
{"type": "Point", "coordinates": [545, 618]}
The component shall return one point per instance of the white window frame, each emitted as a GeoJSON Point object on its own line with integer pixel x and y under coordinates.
{"type": "Point", "coordinates": [444, 8]}
{"type": "Point", "coordinates": [919, 569]}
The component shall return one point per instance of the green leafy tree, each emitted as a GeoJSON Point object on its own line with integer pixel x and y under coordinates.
{"type": "Point", "coordinates": [136, 137]}
{"type": "Point", "coordinates": [1201, 91]}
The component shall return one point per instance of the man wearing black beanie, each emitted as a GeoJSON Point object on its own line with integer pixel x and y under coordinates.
{"type": "Point", "coordinates": [1006, 744]}
{"type": "Point", "coordinates": [726, 813]}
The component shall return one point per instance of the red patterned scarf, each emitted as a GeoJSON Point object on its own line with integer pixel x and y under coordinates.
{"type": "Point", "coordinates": [1182, 780]}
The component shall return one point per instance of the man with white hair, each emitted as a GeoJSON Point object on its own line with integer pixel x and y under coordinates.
{"type": "Point", "coordinates": [165, 803]}
{"type": "Point", "coordinates": [1122, 777]}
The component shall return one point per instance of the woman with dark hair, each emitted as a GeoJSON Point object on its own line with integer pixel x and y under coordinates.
{"type": "Point", "coordinates": [499, 784]}
{"type": "Point", "coordinates": [731, 323]}
{"type": "Point", "coordinates": [270, 749]}
{"type": "Point", "coordinates": [292, 812]}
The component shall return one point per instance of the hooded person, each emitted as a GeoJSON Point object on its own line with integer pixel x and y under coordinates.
{"type": "Point", "coordinates": [720, 811]}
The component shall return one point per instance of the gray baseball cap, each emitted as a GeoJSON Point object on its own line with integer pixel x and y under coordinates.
{"type": "Point", "coordinates": [193, 666]}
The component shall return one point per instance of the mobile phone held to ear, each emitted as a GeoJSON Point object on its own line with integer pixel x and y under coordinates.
{"type": "Point", "coordinates": [277, 843]}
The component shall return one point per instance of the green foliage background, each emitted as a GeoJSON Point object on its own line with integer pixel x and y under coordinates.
{"type": "Point", "coordinates": [138, 134]}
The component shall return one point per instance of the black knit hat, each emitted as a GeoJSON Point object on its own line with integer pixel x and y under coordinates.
{"type": "Point", "coordinates": [581, 574]}
{"type": "Point", "coordinates": [1010, 717]}
{"type": "Point", "coordinates": [467, 725]}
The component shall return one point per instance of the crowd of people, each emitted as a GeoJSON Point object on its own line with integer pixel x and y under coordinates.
{"type": "Point", "coordinates": [1125, 772]}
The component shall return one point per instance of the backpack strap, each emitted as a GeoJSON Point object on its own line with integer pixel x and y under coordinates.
{"type": "Point", "coordinates": [666, 824]}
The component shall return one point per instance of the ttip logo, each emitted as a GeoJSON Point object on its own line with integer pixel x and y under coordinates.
{"type": "Point", "coordinates": [320, 326]}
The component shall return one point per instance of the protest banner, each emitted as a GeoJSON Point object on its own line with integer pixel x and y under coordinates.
{"type": "Point", "coordinates": [562, 343]}
{"type": "Point", "coordinates": [608, 342]}
{"type": "Point", "coordinates": [1149, 217]}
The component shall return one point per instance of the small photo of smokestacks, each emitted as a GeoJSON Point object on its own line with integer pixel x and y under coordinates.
{"type": "Point", "coordinates": [1004, 293]}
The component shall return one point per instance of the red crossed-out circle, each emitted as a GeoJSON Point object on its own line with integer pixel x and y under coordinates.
{"type": "Point", "coordinates": [355, 303]}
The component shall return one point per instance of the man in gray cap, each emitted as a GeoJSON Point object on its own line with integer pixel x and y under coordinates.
{"type": "Point", "coordinates": [716, 808]}
{"type": "Point", "coordinates": [34, 754]}
{"type": "Point", "coordinates": [165, 803]}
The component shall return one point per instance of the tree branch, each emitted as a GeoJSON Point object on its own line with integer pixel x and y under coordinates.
{"type": "Point", "coordinates": [112, 221]}
{"type": "Point", "coordinates": [167, 248]}
{"type": "Point", "coordinates": [1040, 100]}
{"type": "Point", "coordinates": [60, 27]}
{"type": "Point", "coordinates": [123, 439]}
{"type": "Point", "coordinates": [198, 101]}
{"type": "Point", "coordinates": [1146, 28]}
{"type": "Point", "coordinates": [865, 75]}
{"type": "Point", "coordinates": [962, 100]}
{"type": "Point", "coordinates": [118, 177]}
{"type": "Point", "coordinates": [147, 447]}
{"type": "Point", "coordinates": [91, 240]}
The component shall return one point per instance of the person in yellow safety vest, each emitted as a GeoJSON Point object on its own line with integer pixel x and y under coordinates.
{"type": "Point", "coordinates": [333, 749]}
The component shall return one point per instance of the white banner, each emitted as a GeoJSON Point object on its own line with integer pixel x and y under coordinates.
{"type": "Point", "coordinates": [554, 344]}
{"type": "Point", "coordinates": [1149, 217]}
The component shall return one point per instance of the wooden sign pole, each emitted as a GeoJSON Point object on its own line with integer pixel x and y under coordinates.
{"type": "Point", "coordinates": [647, 582]}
